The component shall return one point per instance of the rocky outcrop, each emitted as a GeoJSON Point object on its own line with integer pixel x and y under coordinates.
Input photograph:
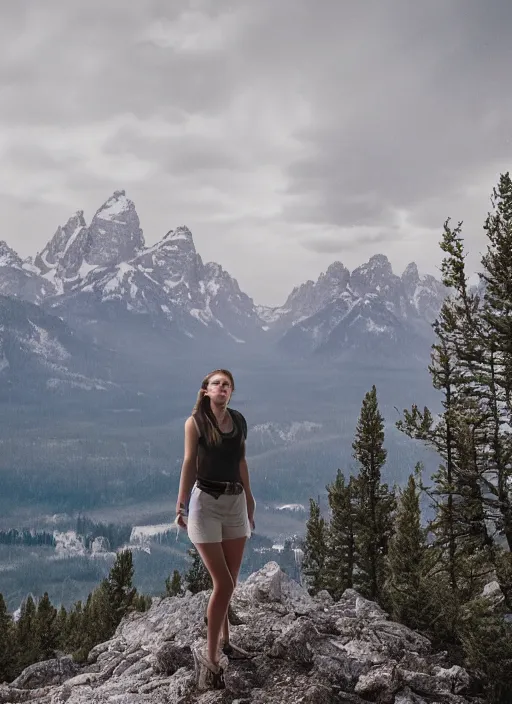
{"type": "Point", "coordinates": [306, 650]}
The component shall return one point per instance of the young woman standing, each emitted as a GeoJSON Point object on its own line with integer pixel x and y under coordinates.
{"type": "Point", "coordinates": [215, 486]}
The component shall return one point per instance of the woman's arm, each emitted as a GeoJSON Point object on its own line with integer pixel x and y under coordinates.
{"type": "Point", "coordinates": [188, 469]}
{"type": "Point", "coordinates": [244, 477]}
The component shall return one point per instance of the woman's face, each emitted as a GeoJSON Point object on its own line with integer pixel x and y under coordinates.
{"type": "Point", "coordinates": [219, 389]}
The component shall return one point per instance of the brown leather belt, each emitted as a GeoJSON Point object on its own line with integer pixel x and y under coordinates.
{"type": "Point", "coordinates": [216, 489]}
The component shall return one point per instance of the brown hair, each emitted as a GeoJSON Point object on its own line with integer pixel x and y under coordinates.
{"type": "Point", "coordinates": [203, 409]}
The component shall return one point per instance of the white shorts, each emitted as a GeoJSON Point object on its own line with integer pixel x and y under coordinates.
{"type": "Point", "coordinates": [212, 520]}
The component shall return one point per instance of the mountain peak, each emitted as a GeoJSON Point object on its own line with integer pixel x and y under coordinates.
{"type": "Point", "coordinates": [8, 257]}
{"type": "Point", "coordinates": [62, 243]}
{"type": "Point", "coordinates": [337, 270]}
{"type": "Point", "coordinates": [115, 207]}
{"type": "Point", "coordinates": [114, 234]}
{"type": "Point", "coordinates": [181, 233]}
{"type": "Point", "coordinates": [411, 273]}
{"type": "Point", "coordinates": [381, 261]}
{"type": "Point", "coordinates": [377, 264]}
{"type": "Point", "coordinates": [180, 238]}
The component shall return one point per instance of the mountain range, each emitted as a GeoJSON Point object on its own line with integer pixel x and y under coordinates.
{"type": "Point", "coordinates": [102, 283]}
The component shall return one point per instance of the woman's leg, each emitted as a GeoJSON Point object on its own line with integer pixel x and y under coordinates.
{"type": "Point", "coordinates": [214, 559]}
{"type": "Point", "coordinates": [233, 554]}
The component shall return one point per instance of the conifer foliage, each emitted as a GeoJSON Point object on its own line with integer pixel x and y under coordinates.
{"type": "Point", "coordinates": [315, 549]}
{"type": "Point", "coordinates": [350, 549]}
{"type": "Point", "coordinates": [434, 578]}
{"type": "Point", "coordinates": [471, 492]}
{"type": "Point", "coordinates": [41, 631]}
{"type": "Point", "coordinates": [197, 578]}
{"type": "Point", "coordinates": [375, 503]}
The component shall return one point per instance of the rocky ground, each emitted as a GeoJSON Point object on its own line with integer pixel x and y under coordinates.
{"type": "Point", "coordinates": [306, 650]}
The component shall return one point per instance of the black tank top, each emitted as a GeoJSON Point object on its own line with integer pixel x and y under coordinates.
{"type": "Point", "coordinates": [221, 463]}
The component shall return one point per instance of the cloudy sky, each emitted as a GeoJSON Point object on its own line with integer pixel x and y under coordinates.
{"type": "Point", "coordinates": [285, 133]}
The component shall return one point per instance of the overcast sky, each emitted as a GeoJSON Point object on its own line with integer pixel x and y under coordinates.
{"type": "Point", "coordinates": [285, 133]}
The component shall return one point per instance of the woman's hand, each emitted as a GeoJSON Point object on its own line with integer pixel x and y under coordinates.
{"type": "Point", "coordinates": [181, 513]}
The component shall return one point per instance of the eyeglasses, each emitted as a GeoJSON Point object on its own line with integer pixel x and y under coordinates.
{"type": "Point", "coordinates": [223, 384]}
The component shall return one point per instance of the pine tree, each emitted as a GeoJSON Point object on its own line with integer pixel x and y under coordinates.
{"type": "Point", "coordinates": [472, 365]}
{"type": "Point", "coordinates": [7, 655]}
{"type": "Point", "coordinates": [174, 584]}
{"type": "Point", "coordinates": [26, 644]}
{"type": "Point", "coordinates": [197, 578]}
{"type": "Point", "coordinates": [73, 636]}
{"type": "Point", "coordinates": [459, 529]}
{"type": "Point", "coordinates": [497, 318]}
{"type": "Point", "coordinates": [340, 548]}
{"type": "Point", "coordinates": [375, 503]}
{"type": "Point", "coordinates": [100, 617]}
{"type": "Point", "coordinates": [315, 549]}
{"type": "Point", "coordinates": [470, 505]}
{"type": "Point", "coordinates": [62, 627]}
{"type": "Point", "coordinates": [45, 631]}
{"type": "Point", "coordinates": [410, 587]}
{"type": "Point", "coordinates": [119, 587]}
{"type": "Point", "coordinates": [487, 641]}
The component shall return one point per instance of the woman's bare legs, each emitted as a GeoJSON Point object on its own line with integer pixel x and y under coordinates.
{"type": "Point", "coordinates": [233, 554]}
{"type": "Point", "coordinates": [214, 560]}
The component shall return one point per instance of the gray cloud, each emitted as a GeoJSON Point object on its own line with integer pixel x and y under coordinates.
{"type": "Point", "coordinates": [282, 133]}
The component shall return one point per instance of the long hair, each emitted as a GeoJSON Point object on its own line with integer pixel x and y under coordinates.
{"type": "Point", "coordinates": [203, 409]}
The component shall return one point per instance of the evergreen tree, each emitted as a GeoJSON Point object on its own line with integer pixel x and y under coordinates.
{"type": "Point", "coordinates": [119, 587]}
{"type": "Point", "coordinates": [7, 654]}
{"type": "Point", "coordinates": [375, 503]}
{"type": "Point", "coordinates": [62, 628]}
{"type": "Point", "coordinates": [101, 616]}
{"type": "Point", "coordinates": [45, 631]}
{"type": "Point", "coordinates": [410, 588]}
{"type": "Point", "coordinates": [472, 365]}
{"type": "Point", "coordinates": [340, 548]}
{"type": "Point", "coordinates": [26, 644]}
{"type": "Point", "coordinates": [315, 549]}
{"type": "Point", "coordinates": [468, 435]}
{"type": "Point", "coordinates": [73, 636]}
{"type": "Point", "coordinates": [197, 578]}
{"type": "Point", "coordinates": [174, 584]}
{"type": "Point", "coordinates": [487, 640]}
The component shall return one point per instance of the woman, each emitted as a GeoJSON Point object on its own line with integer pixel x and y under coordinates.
{"type": "Point", "coordinates": [215, 486]}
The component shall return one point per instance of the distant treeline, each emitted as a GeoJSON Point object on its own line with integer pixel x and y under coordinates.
{"type": "Point", "coordinates": [26, 537]}
{"type": "Point", "coordinates": [116, 535]}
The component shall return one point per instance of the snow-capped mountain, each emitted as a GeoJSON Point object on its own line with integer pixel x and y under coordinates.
{"type": "Point", "coordinates": [20, 279]}
{"type": "Point", "coordinates": [370, 311]}
{"type": "Point", "coordinates": [102, 276]}
{"type": "Point", "coordinates": [308, 298]}
{"type": "Point", "coordinates": [113, 236]}
{"type": "Point", "coordinates": [169, 283]}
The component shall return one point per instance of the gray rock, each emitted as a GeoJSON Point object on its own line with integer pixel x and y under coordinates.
{"type": "Point", "coordinates": [46, 673]}
{"type": "Point", "coordinates": [306, 651]}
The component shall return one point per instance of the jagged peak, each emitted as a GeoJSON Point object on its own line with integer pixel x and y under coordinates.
{"type": "Point", "coordinates": [377, 262]}
{"type": "Point", "coordinates": [337, 270]}
{"type": "Point", "coordinates": [8, 257]}
{"type": "Point", "coordinates": [78, 217]}
{"type": "Point", "coordinates": [116, 205]}
{"type": "Point", "coordinates": [411, 272]}
{"type": "Point", "coordinates": [181, 233]}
